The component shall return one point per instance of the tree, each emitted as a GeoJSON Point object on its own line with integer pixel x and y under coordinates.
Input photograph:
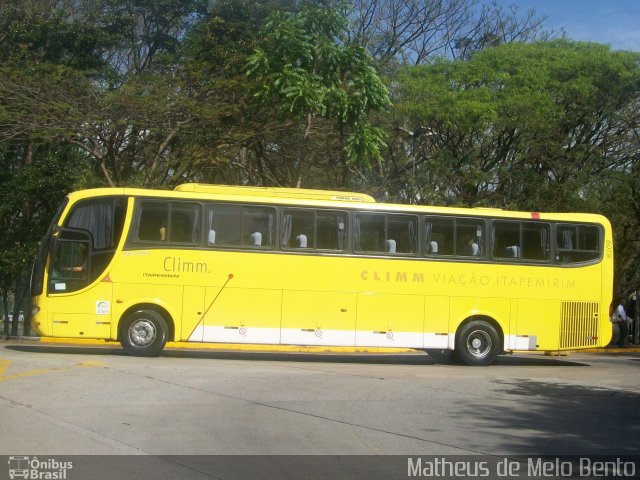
{"type": "Point", "coordinates": [420, 31]}
{"type": "Point", "coordinates": [316, 82]}
{"type": "Point", "coordinates": [519, 125]}
{"type": "Point", "coordinates": [33, 181]}
{"type": "Point", "coordinates": [112, 90]}
{"type": "Point", "coordinates": [544, 126]}
{"type": "Point", "coordinates": [39, 42]}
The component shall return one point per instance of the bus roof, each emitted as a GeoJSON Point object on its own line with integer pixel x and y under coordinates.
{"type": "Point", "coordinates": [295, 193]}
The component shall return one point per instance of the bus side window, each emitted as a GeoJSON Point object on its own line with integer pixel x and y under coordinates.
{"type": "Point", "coordinates": [535, 241]}
{"type": "Point", "coordinates": [184, 223]}
{"type": "Point", "coordinates": [469, 237]}
{"type": "Point", "coordinates": [388, 233]}
{"type": "Point", "coordinates": [439, 236]}
{"type": "Point", "coordinates": [239, 225]}
{"type": "Point", "coordinates": [153, 221]}
{"type": "Point", "coordinates": [331, 230]}
{"type": "Point", "coordinates": [223, 227]}
{"type": "Point", "coordinates": [257, 226]}
{"type": "Point", "coordinates": [402, 233]}
{"type": "Point", "coordinates": [297, 228]}
{"type": "Point", "coordinates": [523, 240]}
{"type": "Point", "coordinates": [577, 243]}
{"type": "Point", "coordinates": [506, 239]}
{"type": "Point", "coordinates": [369, 232]}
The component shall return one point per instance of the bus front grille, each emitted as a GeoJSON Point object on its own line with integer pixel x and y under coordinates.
{"type": "Point", "coordinates": [579, 324]}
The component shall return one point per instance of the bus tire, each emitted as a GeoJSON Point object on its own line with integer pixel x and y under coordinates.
{"type": "Point", "coordinates": [143, 333]}
{"type": "Point", "coordinates": [478, 343]}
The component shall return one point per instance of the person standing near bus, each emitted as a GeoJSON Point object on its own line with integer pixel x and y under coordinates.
{"type": "Point", "coordinates": [620, 318]}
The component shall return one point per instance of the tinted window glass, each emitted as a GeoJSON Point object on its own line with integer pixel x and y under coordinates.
{"type": "Point", "coordinates": [454, 236]}
{"type": "Point", "coordinates": [535, 241]}
{"type": "Point", "coordinates": [439, 236]}
{"type": "Point", "coordinates": [388, 233]}
{"type": "Point", "coordinates": [528, 241]}
{"type": "Point", "coordinates": [577, 243]}
{"type": "Point", "coordinates": [154, 218]}
{"type": "Point", "coordinates": [298, 228]}
{"type": "Point", "coordinates": [257, 226]}
{"type": "Point", "coordinates": [70, 267]}
{"type": "Point", "coordinates": [506, 240]}
{"type": "Point", "coordinates": [469, 237]}
{"type": "Point", "coordinates": [169, 222]}
{"type": "Point", "coordinates": [184, 224]}
{"type": "Point", "coordinates": [402, 233]}
{"type": "Point", "coordinates": [239, 225]}
{"type": "Point", "coordinates": [102, 218]}
{"type": "Point", "coordinates": [331, 230]}
{"type": "Point", "coordinates": [318, 229]}
{"type": "Point", "coordinates": [369, 232]}
{"type": "Point", "coordinates": [224, 225]}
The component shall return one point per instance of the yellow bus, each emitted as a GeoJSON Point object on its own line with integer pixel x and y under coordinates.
{"type": "Point", "coordinates": [215, 263]}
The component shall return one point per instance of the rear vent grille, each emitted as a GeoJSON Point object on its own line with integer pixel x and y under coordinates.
{"type": "Point", "coordinates": [579, 324]}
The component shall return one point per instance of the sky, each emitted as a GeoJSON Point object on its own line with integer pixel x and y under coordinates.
{"type": "Point", "coordinates": [613, 22]}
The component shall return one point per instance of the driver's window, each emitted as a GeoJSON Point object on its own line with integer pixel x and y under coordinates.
{"type": "Point", "coordinates": [69, 269]}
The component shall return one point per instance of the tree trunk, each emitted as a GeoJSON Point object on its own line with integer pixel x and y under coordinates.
{"type": "Point", "coordinates": [5, 304]}
{"type": "Point", "coordinates": [21, 290]}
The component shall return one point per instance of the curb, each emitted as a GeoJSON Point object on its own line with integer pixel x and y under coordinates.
{"type": "Point", "coordinates": [629, 349]}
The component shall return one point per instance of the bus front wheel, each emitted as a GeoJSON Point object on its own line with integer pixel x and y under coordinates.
{"type": "Point", "coordinates": [478, 343]}
{"type": "Point", "coordinates": [144, 333]}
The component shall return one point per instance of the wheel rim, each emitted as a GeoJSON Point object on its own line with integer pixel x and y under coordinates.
{"type": "Point", "coordinates": [479, 343]}
{"type": "Point", "coordinates": [142, 332]}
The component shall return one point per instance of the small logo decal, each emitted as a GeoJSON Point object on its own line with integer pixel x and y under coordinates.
{"type": "Point", "coordinates": [103, 307]}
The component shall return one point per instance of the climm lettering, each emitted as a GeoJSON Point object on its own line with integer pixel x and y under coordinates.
{"type": "Point", "coordinates": [385, 276]}
{"type": "Point", "coordinates": [176, 264]}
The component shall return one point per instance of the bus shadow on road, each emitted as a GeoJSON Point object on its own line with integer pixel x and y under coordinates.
{"type": "Point", "coordinates": [417, 358]}
{"type": "Point", "coordinates": [68, 349]}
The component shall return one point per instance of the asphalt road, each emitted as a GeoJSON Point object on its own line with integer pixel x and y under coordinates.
{"type": "Point", "coordinates": [71, 400]}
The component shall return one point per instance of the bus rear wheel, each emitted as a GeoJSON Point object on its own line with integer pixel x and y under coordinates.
{"type": "Point", "coordinates": [478, 343]}
{"type": "Point", "coordinates": [144, 333]}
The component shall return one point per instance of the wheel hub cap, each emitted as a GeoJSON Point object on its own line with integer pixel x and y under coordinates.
{"type": "Point", "coordinates": [142, 332]}
{"type": "Point", "coordinates": [479, 344]}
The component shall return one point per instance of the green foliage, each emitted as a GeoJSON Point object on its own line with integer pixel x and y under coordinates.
{"type": "Point", "coordinates": [524, 125]}
{"type": "Point", "coordinates": [305, 69]}
{"type": "Point", "coordinates": [35, 31]}
{"type": "Point", "coordinates": [29, 196]}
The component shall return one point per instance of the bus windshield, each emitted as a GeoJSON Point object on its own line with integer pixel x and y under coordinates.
{"type": "Point", "coordinates": [85, 244]}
